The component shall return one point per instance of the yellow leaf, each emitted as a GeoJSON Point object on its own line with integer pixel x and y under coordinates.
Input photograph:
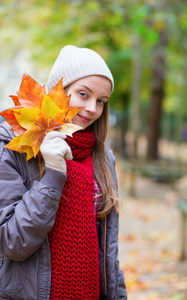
{"type": "Point", "coordinates": [69, 129]}
{"type": "Point", "coordinates": [36, 113]}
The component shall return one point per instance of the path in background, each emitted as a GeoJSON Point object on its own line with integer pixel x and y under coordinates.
{"type": "Point", "coordinates": [149, 241]}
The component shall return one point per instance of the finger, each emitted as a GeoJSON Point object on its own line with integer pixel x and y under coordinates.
{"type": "Point", "coordinates": [68, 154]}
{"type": "Point", "coordinates": [53, 134]}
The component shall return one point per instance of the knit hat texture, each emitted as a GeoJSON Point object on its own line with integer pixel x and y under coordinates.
{"type": "Point", "coordinates": [74, 63]}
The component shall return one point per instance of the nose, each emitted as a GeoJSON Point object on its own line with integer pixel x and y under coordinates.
{"type": "Point", "coordinates": [91, 106]}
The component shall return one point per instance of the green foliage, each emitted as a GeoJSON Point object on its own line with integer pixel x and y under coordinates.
{"type": "Point", "coordinates": [178, 297]}
{"type": "Point", "coordinates": [108, 27]}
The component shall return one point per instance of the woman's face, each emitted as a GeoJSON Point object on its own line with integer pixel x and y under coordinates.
{"type": "Point", "coordinates": [91, 93]}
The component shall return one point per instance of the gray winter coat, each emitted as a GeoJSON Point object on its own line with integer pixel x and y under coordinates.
{"type": "Point", "coordinates": [28, 207]}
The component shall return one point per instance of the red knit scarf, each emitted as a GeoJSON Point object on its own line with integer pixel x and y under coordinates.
{"type": "Point", "coordinates": [73, 239]}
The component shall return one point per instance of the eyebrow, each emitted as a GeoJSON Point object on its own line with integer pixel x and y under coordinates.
{"type": "Point", "coordinates": [86, 87]}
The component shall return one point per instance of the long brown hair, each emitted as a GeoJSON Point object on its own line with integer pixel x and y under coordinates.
{"type": "Point", "coordinates": [101, 168]}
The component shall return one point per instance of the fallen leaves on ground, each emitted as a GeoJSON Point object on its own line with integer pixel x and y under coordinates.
{"type": "Point", "coordinates": [149, 244]}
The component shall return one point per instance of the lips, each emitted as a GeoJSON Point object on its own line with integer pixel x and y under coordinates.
{"type": "Point", "coordinates": [84, 119]}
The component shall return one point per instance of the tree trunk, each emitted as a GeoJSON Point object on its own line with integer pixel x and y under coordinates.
{"type": "Point", "coordinates": [157, 96]}
{"type": "Point", "coordinates": [123, 124]}
{"type": "Point", "coordinates": [135, 93]}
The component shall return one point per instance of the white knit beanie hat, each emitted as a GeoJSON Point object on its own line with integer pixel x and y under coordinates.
{"type": "Point", "coordinates": [74, 63]}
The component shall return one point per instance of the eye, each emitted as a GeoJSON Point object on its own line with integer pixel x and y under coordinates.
{"type": "Point", "coordinates": [100, 101]}
{"type": "Point", "coordinates": [83, 94]}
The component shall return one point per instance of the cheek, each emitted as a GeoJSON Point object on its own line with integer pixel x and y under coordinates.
{"type": "Point", "coordinates": [74, 101]}
{"type": "Point", "coordinates": [99, 113]}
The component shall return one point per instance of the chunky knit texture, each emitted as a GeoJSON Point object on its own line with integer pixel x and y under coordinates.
{"type": "Point", "coordinates": [73, 239]}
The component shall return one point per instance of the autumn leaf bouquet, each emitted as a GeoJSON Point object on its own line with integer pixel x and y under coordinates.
{"type": "Point", "coordinates": [36, 113]}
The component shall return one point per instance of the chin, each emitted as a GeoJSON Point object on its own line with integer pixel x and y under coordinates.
{"type": "Point", "coordinates": [83, 125]}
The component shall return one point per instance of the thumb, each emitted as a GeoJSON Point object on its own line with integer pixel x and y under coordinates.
{"type": "Point", "coordinates": [68, 155]}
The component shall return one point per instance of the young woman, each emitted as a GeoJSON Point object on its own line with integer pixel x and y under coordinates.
{"type": "Point", "coordinates": [59, 228]}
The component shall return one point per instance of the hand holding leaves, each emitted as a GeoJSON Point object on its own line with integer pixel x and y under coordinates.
{"type": "Point", "coordinates": [36, 113]}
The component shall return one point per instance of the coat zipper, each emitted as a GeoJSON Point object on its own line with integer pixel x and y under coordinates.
{"type": "Point", "coordinates": [105, 256]}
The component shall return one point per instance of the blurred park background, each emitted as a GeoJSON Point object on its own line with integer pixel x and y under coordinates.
{"type": "Point", "coordinates": [144, 43]}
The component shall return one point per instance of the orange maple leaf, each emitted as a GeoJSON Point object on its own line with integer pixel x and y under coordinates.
{"type": "Point", "coordinates": [36, 113]}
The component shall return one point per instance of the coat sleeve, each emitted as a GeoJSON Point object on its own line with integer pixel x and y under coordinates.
{"type": "Point", "coordinates": [122, 292]}
{"type": "Point", "coordinates": [26, 216]}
